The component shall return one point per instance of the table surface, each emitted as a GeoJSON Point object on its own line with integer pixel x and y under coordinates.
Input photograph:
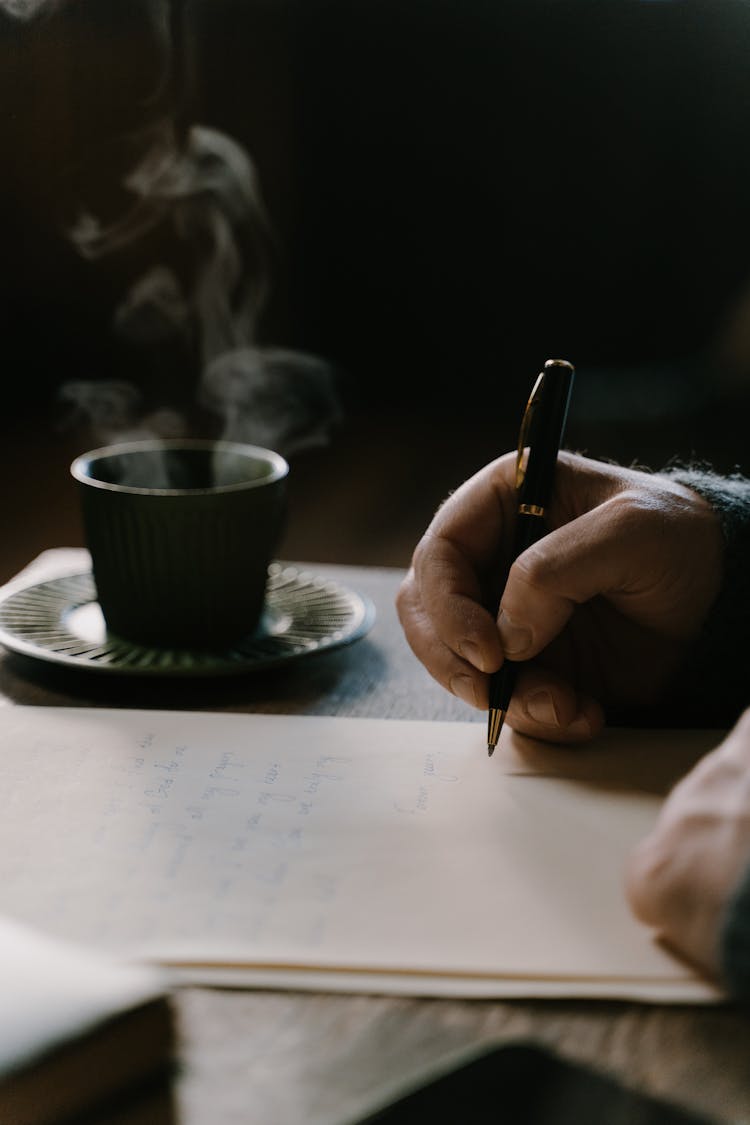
{"type": "Point", "coordinates": [277, 1058]}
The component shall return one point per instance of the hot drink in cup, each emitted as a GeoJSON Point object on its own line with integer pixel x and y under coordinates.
{"type": "Point", "coordinates": [181, 533]}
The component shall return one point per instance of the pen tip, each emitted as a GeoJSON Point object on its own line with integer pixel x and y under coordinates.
{"type": "Point", "coordinates": [494, 726]}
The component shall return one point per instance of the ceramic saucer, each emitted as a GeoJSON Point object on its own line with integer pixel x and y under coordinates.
{"type": "Point", "coordinates": [59, 620]}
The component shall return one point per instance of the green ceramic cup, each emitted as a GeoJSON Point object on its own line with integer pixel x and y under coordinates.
{"type": "Point", "coordinates": [181, 533]}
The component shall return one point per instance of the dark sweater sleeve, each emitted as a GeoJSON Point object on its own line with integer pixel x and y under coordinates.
{"type": "Point", "coordinates": [720, 663]}
{"type": "Point", "coordinates": [734, 947]}
{"type": "Point", "coordinates": [714, 685]}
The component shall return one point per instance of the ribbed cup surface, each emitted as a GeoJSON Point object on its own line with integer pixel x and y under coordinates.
{"type": "Point", "coordinates": [182, 569]}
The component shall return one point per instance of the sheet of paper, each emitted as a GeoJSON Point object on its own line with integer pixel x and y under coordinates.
{"type": "Point", "coordinates": [355, 853]}
{"type": "Point", "coordinates": [52, 992]}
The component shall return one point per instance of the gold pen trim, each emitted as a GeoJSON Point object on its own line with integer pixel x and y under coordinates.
{"type": "Point", "coordinates": [495, 725]}
{"type": "Point", "coordinates": [530, 510]}
{"type": "Point", "coordinates": [525, 428]}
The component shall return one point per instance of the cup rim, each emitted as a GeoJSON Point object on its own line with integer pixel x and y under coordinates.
{"type": "Point", "coordinates": [79, 468]}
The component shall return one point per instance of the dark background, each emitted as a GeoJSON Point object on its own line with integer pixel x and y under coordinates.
{"type": "Point", "coordinates": [459, 190]}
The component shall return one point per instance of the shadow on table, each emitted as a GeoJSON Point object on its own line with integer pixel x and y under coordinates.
{"type": "Point", "coordinates": [326, 683]}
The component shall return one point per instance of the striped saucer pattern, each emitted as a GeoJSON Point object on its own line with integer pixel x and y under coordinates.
{"type": "Point", "coordinates": [59, 621]}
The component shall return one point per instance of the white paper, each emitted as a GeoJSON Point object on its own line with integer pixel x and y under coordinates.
{"type": "Point", "coordinates": [52, 992]}
{"type": "Point", "coordinates": [374, 855]}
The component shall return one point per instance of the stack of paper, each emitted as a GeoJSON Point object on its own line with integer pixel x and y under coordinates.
{"type": "Point", "coordinates": [352, 854]}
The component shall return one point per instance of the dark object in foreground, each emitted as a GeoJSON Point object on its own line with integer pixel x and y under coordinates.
{"type": "Point", "coordinates": [523, 1084]}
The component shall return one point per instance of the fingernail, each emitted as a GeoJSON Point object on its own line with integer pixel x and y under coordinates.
{"type": "Point", "coordinates": [463, 687]}
{"type": "Point", "coordinates": [541, 708]}
{"type": "Point", "coordinates": [515, 638]}
{"type": "Point", "coordinates": [471, 652]}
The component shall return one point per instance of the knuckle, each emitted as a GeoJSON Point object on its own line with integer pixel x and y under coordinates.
{"type": "Point", "coordinates": [742, 727]}
{"type": "Point", "coordinates": [405, 596]}
{"type": "Point", "coordinates": [632, 507]}
{"type": "Point", "coordinates": [530, 568]}
{"type": "Point", "coordinates": [419, 554]}
{"type": "Point", "coordinates": [430, 559]}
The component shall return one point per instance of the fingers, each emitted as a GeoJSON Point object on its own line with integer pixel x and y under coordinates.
{"type": "Point", "coordinates": [585, 558]}
{"type": "Point", "coordinates": [546, 706]}
{"type": "Point", "coordinates": [631, 550]}
{"type": "Point", "coordinates": [681, 877]}
{"type": "Point", "coordinates": [462, 547]}
{"type": "Point", "coordinates": [450, 595]}
{"type": "Point", "coordinates": [646, 553]}
{"type": "Point", "coordinates": [472, 533]}
{"type": "Point", "coordinates": [441, 606]}
{"type": "Point", "coordinates": [456, 673]}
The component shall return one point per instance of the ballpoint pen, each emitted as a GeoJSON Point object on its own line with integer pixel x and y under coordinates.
{"type": "Point", "coordinates": [539, 442]}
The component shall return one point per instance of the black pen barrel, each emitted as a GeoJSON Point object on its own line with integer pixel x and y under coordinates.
{"type": "Point", "coordinates": [540, 439]}
{"type": "Point", "coordinates": [547, 428]}
{"type": "Point", "coordinates": [528, 529]}
{"type": "Point", "coordinates": [502, 685]}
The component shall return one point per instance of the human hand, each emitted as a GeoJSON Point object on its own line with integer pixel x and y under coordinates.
{"type": "Point", "coordinates": [602, 608]}
{"type": "Point", "coordinates": [681, 877]}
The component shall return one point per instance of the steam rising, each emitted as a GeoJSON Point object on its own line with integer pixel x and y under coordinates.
{"type": "Point", "coordinates": [115, 411]}
{"type": "Point", "coordinates": [203, 190]}
{"type": "Point", "coordinates": [28, 9]}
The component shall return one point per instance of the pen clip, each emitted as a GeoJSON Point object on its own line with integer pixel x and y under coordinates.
{"type": "Point", "coordinates": [523, 436]}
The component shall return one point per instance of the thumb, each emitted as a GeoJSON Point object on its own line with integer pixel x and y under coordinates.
{"type": "Point", "coordinates": [600, 552]}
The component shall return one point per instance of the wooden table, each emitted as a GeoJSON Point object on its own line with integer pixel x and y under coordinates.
{"type": "Point", "coordinates": [282, 1058]}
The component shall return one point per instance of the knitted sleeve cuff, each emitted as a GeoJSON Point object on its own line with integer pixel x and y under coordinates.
{"type": "Point", "coordinates": [716, 677]}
